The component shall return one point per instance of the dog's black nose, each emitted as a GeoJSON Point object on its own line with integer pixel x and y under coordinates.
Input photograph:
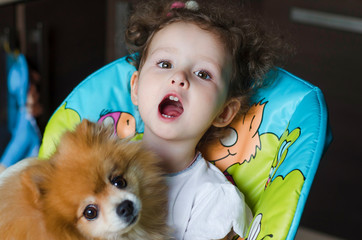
{"type": "Point", "coordinates": [125, 210]}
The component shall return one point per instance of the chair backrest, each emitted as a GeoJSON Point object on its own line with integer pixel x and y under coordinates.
{"type": "Point", "coordinates": [271, 154]}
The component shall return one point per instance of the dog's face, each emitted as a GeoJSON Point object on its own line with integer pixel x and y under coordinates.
{"type": "Point", "coordinates": [99, 187]}
{"type": "Point", "coordinates": [111, 207]}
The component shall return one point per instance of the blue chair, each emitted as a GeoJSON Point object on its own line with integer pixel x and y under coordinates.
{"type": "Point", "coordinates": [271, 153]}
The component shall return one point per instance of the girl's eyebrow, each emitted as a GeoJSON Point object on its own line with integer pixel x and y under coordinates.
{"type": "Point", "coordinates": [164, 49]}
{"type": "Point", "coordinates": [172, 50]}
{"type": "Point", "coordinates": [211, 62]}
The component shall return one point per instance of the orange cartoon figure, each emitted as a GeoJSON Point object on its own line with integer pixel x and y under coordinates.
{"type": "Point", "coordinates": [241, 142]}
{"type": "Point", "coordinates": [124, 123]}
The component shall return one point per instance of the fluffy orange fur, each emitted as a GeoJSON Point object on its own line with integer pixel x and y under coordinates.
{"type": "Point", "coordinates": [42, 201]}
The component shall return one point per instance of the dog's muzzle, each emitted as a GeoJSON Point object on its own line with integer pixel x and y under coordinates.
{"type": "Point", "coordinates": [127, 212]}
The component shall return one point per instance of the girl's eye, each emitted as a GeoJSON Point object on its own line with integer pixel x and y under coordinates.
{"type": "Point", "coordinates": [203, 75]}
{"type": "Point", "coordinates": [164, 64]}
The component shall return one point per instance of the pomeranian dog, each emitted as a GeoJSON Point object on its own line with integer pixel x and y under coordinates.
{"type": "Point", "coordinates": [95, 186]}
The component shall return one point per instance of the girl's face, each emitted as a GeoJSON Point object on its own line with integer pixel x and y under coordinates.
{"type": "Point", "coordinates": [182, 86]}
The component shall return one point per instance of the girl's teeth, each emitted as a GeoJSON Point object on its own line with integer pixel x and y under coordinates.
{"type": "Point", "coordinates": [173, 98]}
{"type": "Point", "coordinates": [166, 116]}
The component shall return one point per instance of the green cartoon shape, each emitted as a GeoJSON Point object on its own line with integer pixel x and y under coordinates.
{"type": "Point", "coordinates": [273, 205]}
{"type": "Point", "coordinates": [286, 140]}
{"type": "Point", "coordinates": [251, 178]}
{"type": "Point", "coordinates": [62, 120]}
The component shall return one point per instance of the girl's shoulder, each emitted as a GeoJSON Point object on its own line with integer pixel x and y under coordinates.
{"type": "Point", "coordinates": [204, 180]}
{"type": "Point", "coordinates": [210, 175]}
{"type": "Point", "coordinates": [213, 185]}
{"type": "Point", "coordinates": [219, 201]}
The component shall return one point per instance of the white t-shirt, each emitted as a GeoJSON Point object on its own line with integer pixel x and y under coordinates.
{"type": "Point", "coordinates": [203, 204]}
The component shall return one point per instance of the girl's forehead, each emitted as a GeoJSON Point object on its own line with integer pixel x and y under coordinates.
{"type": "Point", "coordinates": [187, 30]}
{"type": "Point", "coordinates": [184, 36]}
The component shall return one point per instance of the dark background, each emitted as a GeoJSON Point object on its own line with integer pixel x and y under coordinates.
{"type": "Point", "coordinates": [77, 40]}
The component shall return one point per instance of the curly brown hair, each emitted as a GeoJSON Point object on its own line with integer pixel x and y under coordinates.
{"type": "Point", "coordinates": [254, 50]}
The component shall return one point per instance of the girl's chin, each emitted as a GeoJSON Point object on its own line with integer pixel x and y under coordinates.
{"type": "Point", "coordinates": [163, 134]}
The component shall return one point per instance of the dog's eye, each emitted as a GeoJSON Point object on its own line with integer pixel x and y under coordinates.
{"type": "Point", "coordinates": [119, 182]}
{"type": "Point", "coordinates": [90, 212]}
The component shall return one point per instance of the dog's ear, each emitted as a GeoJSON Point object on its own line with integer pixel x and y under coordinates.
{"type": "Point", "coordinates": [32, 180]}
{"type": "Point", "coordinates": [84, 126]}
{"type": "Point", "coordinates": [92, 130]}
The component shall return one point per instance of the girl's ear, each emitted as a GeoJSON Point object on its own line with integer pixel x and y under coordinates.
{"type": "Point", "coordinates": [134, 87]}
{"type": "Point", "coordinates": [228, 113]}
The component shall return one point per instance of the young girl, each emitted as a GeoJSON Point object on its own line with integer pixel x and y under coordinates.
{"type": "Point", "coordinates": [198, 63]}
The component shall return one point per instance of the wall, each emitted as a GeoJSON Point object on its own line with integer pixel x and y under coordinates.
{"type": "Point", "coordinates": [76, 41]}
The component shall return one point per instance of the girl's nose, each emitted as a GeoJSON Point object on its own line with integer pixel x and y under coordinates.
{"type": "Point", "coordinates": [180, 79]}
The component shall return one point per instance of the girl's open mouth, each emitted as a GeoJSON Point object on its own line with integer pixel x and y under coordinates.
{"type": "Point", "coordinates": [170, 107]}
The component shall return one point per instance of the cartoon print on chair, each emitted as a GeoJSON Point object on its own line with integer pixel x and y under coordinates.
{"type": "Point", "coordinates": [271, 220]}
{"type": "Point", "coordinates": [265, 153]}
{"type": "Point", "coordinates": [67, 118]}
{"type": "Point", "coordinates": [286, 141]}
{"type": "Point", "coordinates": [124, 123]}
{"type": "Point", "coordinates": [64, 119]}
{"type": "Point", "coordinates": [241, 143]}
{"type": "Point", "coordinates": [250, 178]}
{"type": "Point", "coordinates": [255, 229]}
